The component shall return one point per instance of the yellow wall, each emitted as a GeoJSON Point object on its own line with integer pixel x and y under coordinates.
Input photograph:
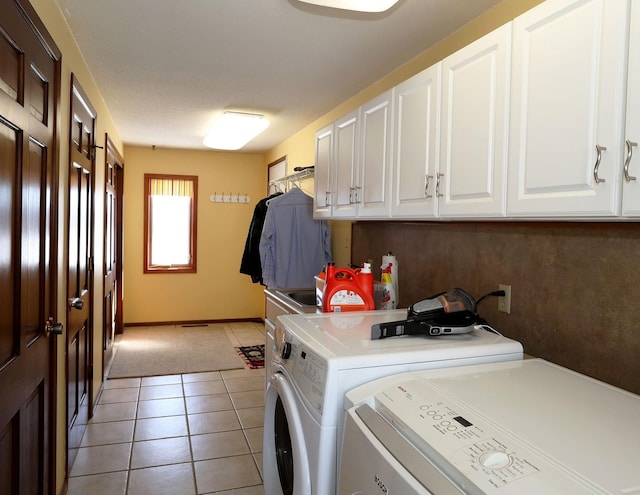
{"type": "Point", "coordinates": [218, 290]}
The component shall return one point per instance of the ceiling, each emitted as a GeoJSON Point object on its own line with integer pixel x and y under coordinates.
{"type": "Point", "coordinates": [167, 68]}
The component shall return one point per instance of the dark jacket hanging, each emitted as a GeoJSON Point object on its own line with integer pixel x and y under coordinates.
{"type": "Point", "coordinates": [250, 264]}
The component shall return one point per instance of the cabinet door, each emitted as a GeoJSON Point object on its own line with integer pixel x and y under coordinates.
{"type": "Point", "coordinates": [345, 166]}
{"type": "Point", "coordinates": [322, 172]}
{"type": "Point", "coordinates": [631, 179]}
{"type": "Point", "coordinates": [372, 190]}
{"type": "Point", "coordinates": [567, 109]}
{"type": "Point", "coordinates": [415, 155]}
{"type": "Point", "coordinates": [474, 129]}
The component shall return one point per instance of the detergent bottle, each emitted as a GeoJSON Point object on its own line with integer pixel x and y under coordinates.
{"type": "Point", "coordinates": [348, 290]}
{"type": "Point", "coordinates": [388, 292]}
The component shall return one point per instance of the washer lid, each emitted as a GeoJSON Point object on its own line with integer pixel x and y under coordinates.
{"type": "Point", "coordinates": [521, 426]}
{"type": "Point", "coordinates": [345, 338]}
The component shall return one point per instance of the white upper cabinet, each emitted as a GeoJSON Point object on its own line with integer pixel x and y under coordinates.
{"type": "Point", "coordinates": [567, 109]}
{"type": "Point", "coordinates": [323, 172]}
{"type": "Point", "coordinates": [345, 177]}
{"type": "Point", "coordinates": [472, 168]}
{"type": "Point", "coordinates": [631, 171]}
{"type": "Point", "coordinates": [372, 189]}
{"type": "Point", "coordinates": [415, 153]}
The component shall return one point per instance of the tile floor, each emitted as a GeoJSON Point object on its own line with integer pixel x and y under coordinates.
{"type": "Point", "coordinates": [189, 434]}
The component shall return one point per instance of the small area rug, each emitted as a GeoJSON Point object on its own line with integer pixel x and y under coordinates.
{"type": "Point", "coordinates": [253, 355]}
{"type": "Point", "coordinates": [173, 350]}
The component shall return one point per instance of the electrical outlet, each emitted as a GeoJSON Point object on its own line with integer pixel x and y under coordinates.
{"type": "Point", "coordinates": [504, 302]}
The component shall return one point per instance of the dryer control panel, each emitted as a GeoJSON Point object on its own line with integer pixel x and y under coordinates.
{"type": "Point", "coordinates": [309, 372]}
{"type": "Point", "coordinates": [477, 455]}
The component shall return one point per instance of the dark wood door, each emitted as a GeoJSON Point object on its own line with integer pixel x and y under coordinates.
{"type": "Point", "coordinates": [80, 268]}
{"type": "Point", "coordinates": [29, 88]}
{"type": "Point", "coordinates": [112, 317]}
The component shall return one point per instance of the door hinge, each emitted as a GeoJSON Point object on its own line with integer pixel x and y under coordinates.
{"type": "Point", "coordinates": [90, 264]}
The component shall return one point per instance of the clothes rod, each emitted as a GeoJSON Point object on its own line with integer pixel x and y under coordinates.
{"type": "Point", "coordinates": [283, 184]}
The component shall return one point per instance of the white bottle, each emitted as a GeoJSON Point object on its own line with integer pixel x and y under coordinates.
{"type": "Point", "coordinates": [388, 291]}
{"type": "Point", "coordinates": [390, 258]}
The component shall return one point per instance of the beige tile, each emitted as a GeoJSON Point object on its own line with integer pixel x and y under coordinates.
{"type": "Point", "coordinates": [252, 417]}
{"type": "Point", "coordinates": [113, 395]}
{"type": "Point", "coordinates": [204, 388]}
{"type": "Point", "coordinates": [160, 407]}
{"type": "Point", "coordinates": [243, 373]}
{"type": "Point", "coordinates": [101, 459]}
{"type": "Point", "coordinates": [99, 484]}
{"type": "Point", "coordinates": [213, 422]}
{"type": "Point", "coordinates": [108, 433]}
{"type": "Point", "coordinates": [175, 479]}
{"type": "Point", "coordinates": [149, 381]}
{"type": "Point", "coordinates": [249, 490]}
{"type": "Point", "coordinates": [160, 452]}
{"type": "Point", "coordinates": [243, 400]}
{"type": "Point", "coordinates": [114, 412]}
{"type": "Point", "coordinates": [165, 427]}
{"type": "Point", "coordinates": [161, 392]}
{"type": "Point", "coordinates": [254, 438]}
{"type": "Point", "coordinates": [214, 445]}
{"type": "Point", "coordinates": [206, 376]}
{"type": "Point", "coordinates": [257, 457]}
{"type": "Point", "coordinates": [255, 382]}
{"type": "Point", "coordinates": [208, 403]}
{"type": "Point", "coordinates": [226, 473]}
{"type": "Point", "coordinates": [121, 383]}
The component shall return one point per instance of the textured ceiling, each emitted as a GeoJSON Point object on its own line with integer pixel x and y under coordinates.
{"type": "Point", "coordinates": [167, 68]}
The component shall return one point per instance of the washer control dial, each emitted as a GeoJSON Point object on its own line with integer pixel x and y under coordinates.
{"type": "Point", "coordinates": [494, 459]}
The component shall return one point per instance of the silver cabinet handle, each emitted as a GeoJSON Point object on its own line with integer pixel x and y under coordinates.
{"type": "Point", "coordinates": [627, 161]}
{"type": "Point", "coordinates": [327, 198]}
{"type": "Point", "coordinates": [76, 303]}
{"type": "Point", "coordinates": [438, 176]}
{"type": "Point", "coordinates": [426, 186]}
{"type": "Point", "coordinates": [354, 196]}
{"type": "Point", "coordinates": [599, 150]}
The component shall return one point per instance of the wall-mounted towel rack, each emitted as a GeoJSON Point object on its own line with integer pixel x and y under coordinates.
{"type": "Point", "coordinates": [229, 198]}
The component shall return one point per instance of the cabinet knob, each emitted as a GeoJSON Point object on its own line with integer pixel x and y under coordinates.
{"type": "Point", "coordinates": [599, 150]}
{"type": "Point", "coordinates": [627, 161]}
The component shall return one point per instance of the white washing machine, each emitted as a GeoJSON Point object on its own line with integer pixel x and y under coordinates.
{"type": "Point", "coordinates": [315, 359]}
{"type": "Point", "coordinates": [518, 428]}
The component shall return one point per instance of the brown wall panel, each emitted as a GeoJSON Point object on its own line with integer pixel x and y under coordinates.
{"type": "Point", "coordinates": [575, 286]}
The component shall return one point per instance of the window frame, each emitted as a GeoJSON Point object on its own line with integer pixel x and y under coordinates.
{"type": "Point", "coordinates": [191, 267]}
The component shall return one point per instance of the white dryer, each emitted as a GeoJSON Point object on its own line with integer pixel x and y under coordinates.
{"type": "Point", "coordinates": [519, 428]}
{"type": "Point", "coordinates": [315, 359]}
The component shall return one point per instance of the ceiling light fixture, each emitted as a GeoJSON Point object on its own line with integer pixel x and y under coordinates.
{"type": "Point", "coordinates": [232, 130]}
{"type": "Point", "coordinates": [358, 5]}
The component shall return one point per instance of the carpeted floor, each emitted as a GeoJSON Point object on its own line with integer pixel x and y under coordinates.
{"type": "Point", "coordinates": [172, 350]}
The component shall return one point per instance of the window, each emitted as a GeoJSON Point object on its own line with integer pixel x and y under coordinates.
{"type": "Point", "coordinates": [170, 215]}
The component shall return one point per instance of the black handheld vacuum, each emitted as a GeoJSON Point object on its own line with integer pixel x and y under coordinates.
{"type": "Point", "coordinates": [447, 313]}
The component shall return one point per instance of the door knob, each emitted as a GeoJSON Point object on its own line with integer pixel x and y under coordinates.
{"type": "Point", "coordinates": [52, 328]}
{"type": "Point", "coordinates": [76, 303]}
